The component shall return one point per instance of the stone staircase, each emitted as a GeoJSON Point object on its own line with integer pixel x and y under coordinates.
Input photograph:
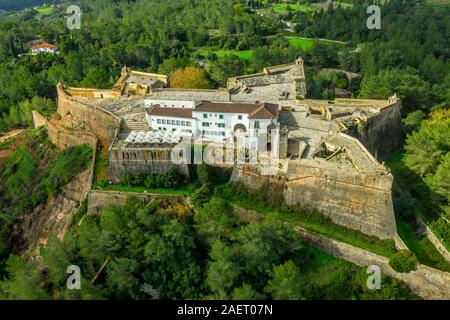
{"type": "Point", "coordinates": [134, 122]}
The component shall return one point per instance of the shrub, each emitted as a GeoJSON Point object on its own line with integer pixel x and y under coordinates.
{"type": "Point", "coordinates": [201, 195]}
{"type": "Point", "coordinates": [403, 261]}
{"type": "Point", "coordinates": [169, 179]}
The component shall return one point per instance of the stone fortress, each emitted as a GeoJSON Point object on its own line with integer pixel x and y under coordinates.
{"type": "Point", "coordinates": [327, 152]}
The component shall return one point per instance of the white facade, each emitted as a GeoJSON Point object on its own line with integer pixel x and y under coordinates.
{"type": "Point", "coordinates": [217, 125]}
{"type": "Point", "coordinates": [182, 126]}
{"type": "Point", "coordinates": [38, 50]}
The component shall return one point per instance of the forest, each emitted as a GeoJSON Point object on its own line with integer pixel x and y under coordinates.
{"type": "Point", "coordinates": [214, 255]}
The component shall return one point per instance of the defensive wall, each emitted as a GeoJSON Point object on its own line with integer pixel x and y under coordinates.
{"type": "Point", "coordinates": [142, 160]}
{"type": "Point", "coordinates": [360, 200]}
{"type": "Point", "coordinates": [83, 117]}
{"type": "Point", "coordinates": [382, 132]}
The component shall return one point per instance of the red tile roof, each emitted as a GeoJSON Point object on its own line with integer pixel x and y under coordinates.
{"type": "Point", "coordinates": [254, 110]}
{"type": "Point", "coordinates": [44, 46]}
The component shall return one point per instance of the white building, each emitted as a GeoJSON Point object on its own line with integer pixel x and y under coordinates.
{"type": "Point", "coordinates": [212, 121]}
{"type": "Point", "coordinates": [44, 48]}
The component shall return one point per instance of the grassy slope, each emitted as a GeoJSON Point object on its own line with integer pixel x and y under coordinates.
{"type": "Point", "coordinates": [420, 245]}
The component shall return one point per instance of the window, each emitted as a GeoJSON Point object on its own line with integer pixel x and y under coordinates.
{"type": "Point", "coordinates": [163, 121]}
{"type": "Point", "coordinates": [173, 122]}
{"type": "Point", "coordinates": [205, 124]}
{"type": "Point", "coordinates": [164, 129]}
{"type": "Point", "coordinates": [221, 116]}
{"type": "Point", "coordinates": [239, 117]}
{"type": "Point", "coordinates": [183, 123]}
{"type": "Point", "coordinates": [205, 116]}
{"type": "Point", "coordinates": [256, 125]}
{"type": "Point", "coordinates": [178, 122]}
{"type": "Point", "coordinates": [188, 123]}
{"type": "Point", "coordinates": [158, 121]}
{"type": "Point", "coordinates": [221, 125]}
{"type": "Point", "coordinates": [174, 129]}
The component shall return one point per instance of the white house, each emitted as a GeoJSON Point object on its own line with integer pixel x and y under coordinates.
{"type": "Point", "coordinates": [44, 48]}
{"type": "Point", "coordinates": [212, 121]}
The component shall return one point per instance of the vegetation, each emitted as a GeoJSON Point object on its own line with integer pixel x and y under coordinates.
{"type": "Point", "coordinates": [269, 202]}
{"type": "Point", "coordinates": [403, 261]}
{"type": "Point", "coordinates": [153, 252]}
{"type": "Point", "coordinates": [32, 173]}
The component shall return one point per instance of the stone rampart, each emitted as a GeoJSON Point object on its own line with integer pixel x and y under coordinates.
{"type": "Point", "coordinates": [383, 132]}
{"type": "Point", "coordinates": [82, 117]}
{"type": "Point", "coordinates": [361, 201]}
{"type": "Point", "coordinates": [140, 160]}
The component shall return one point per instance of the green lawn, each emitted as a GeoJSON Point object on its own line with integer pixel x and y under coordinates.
{"type": "Point", "coordinates": [301, 43]}
{"type": "Point", "coordinates": [182, 191]}
{"type": "Point", "coordinates": [284, 8]}
{"type": "Point", "coordinates": [422, 247]}
{"type": "Point", "coordinates": [244, 54]}
{"type": "Point", "coordinates": [43, 12]}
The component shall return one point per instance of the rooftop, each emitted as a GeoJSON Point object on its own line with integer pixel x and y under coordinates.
{"type": "Point", "coordinates": [169, 112]}
{"type": "Point", "coordinates": [255, 111]}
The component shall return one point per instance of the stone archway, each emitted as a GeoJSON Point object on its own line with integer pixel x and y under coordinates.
{"type": "Point", "coordinates": [239, 128]}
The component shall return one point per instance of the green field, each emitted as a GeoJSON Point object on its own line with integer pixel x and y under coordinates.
{"type": "Point", "coordinates": [181, 191]}
{"type": "Point", "coordinates": [244, 55]}
{"type": "Point", "coordinates": [284, 8]}
{"type": "Point", "coordinates": [301, 43]}
{"type": "Point", "coordinates": [43, 12]}
{"type": "Point", "coordinates": [438, 2]}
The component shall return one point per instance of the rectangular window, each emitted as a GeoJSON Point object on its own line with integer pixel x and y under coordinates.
{"type": "Point", "coordinates": [205, 116]}
{"type": "Point", "coordinates": [205, 124]}
{"type": "Point", "coordinates": [158, 121]}
{"type": "Point", "coordinates": [178, 122]}
{"type": "Point", "coordinates": [173, 122]}
{"type": "Point", "coordinates": [189, 123]}
{"type": "Point", "coordinates": [239, 117]}
{"type": "Point", "coordinates": [256, 124]}
{"type": "Point", "coordinates": [221, 116]}
{"type": "Point", "coordinates": [183, 123]}
{"type": "Point", "coordinates": [163, 121]}
{"type": "Point", "coordinates": [221, 125]}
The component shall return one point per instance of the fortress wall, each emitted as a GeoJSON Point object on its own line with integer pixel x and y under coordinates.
{"type": "Point", "coordinates": [93, 93]}
{"type": "Point", "coordinates": [138, 160]}
{"type": "Point", "coordinates": [362, 201]}
{"type": "Point", "coordinates": [426, 282]}
{"type": "Point", "coordinates": [99, 199]}
{"type": "Point", "coordinates": [76, 115]}
{"type": "Point", "coordinates": [383, 133]}
{"type": "Point", "coordinates": [80, 186]}
{"type": "Point", "coordinates": [64, 138]}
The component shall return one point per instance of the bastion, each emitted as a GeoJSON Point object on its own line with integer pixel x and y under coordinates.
{"type": "Point", "coordinates": [324, 155]}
